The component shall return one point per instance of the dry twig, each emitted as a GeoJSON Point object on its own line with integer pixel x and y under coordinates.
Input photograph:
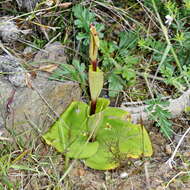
{"type": "Point", "coordinates": [176, 107]}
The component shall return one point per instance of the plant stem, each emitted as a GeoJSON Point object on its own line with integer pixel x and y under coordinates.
{"type": "Point", "coordinates": [93, 102]}
{"type": "Point", "coordinates": [93, 107]}
{"type": "Point", "coordinates": [94, 65]}
{"type": "Point", "coordinates": [66, 162]}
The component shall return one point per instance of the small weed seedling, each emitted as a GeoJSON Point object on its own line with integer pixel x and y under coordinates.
{"type": "Point", "coordinates": [74, 71]}
{"type": "Point", "coordinates": [84, 19]}
{"type": "Point", "coordinates": [97, 133]}
{"type": "Point", "coordinates": [159, 113]}
{"type": "Point", "coordinates": [114, 58]}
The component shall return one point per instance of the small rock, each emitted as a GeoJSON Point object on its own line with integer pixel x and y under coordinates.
{"type": "Point", "coordinates": [79, 172]}
{"type": "Point", "coordinates": [138, 163]}
{"type": "Point", "coordinates": [124, 175]}
{"type": "Point", "coordinates": [53, 53]}
{"type": "Point", "coordinates": [12, 68]}
{"type": "Point", "coordinates": [27, 50]}
{"type": "Point", "coordinates": [186, 154]}
{"type": "Point", "coordinates": [29, 5]}
{"type": "Point", "coordinates": [9, 31]}
{"type": "Point", "coordinates": [159, 188]}
{"type": "Point", "coordinates": [168, 149]}
{"type": "Point", "coordinates": [177, 138]}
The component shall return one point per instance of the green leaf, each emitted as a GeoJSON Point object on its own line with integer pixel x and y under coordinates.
{"type": "Point", "coordinates": [160, 115]}
{"type": "Point", "coordinates": [135, 142]}
{"type": "Point", "coordinates": [102, 104]}
{"type": "Point", "coordinates": [102, 160]}
{"type": "Point", "coordinates": [78, 23]}
{"type": "Point", "coordinates": [115, 85]}
{"type": "Point", "coordinates": [165, 127]}
{"type": "Point", "coordinates": [96, 79]}
{"type": "Point", "coordinates": [108, 137]}
{"type": "Point", "coordinates": [128, 40]}
{"type": "Point", "coordinates": [107, 47]}
{"type": "Point", "coordinates": [70, 132]}
{"type": "Point", "coordinates": [83, 20]}
{"type": "Point", "coordinates": [84, 17]}
{"type": "Point", "coordinates": [108, 63]}
{"type": "Point", "coordinates": [94, 123]}
{"type": "Point", "coordinates": [75, 72]}
{"type": "Point", "coordinates": [99, 28]}
{"type": "Point", "coordinates": [117, 127]}
{"type": "Point", "coordinates": [95, 120]}
{"type": "Point", "coordinates": [64, 70]}
{"type": "Point", "coordinates": [80, 148]}
{"type": "Point", "coordinates": [59, 134]}
{"type": "Point", "coordinates": [118, 137]}
{"type": "Point", "coordinates": [112, 113]}
{"type": "Point", "coordinates": [82, 36]}
{"type": "Point", "coordinates": [115, 138]}
{"type": "Point", "coordinates": [79, 73]}
{"type": "Point", "coordinates": [128, 74]}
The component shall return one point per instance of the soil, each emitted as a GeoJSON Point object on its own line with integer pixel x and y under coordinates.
{"type": "Point", "coordinates": [146, 173]}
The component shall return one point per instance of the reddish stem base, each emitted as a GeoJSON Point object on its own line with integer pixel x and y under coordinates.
{"type": "Point", "coordinates": [93, 107]}
{"type": "Point", "coordinates": [94, 65]}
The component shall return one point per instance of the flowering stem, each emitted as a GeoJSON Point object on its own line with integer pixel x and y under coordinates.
{"type": "Point", "coordinates": [94, 65]}
{"type": "Point", "coordinates": [93, 107]}
{"type": "Point", "coordinates": [93, 102]}
{"type": "Point", "coordinates": [93, 53]}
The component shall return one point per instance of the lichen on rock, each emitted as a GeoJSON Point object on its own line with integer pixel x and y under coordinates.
{"type": "Point", "coordinates": [51, 53]}
{"type": "Point", "coordinates": [13, 70]}
{"type": "Point", "coordinates": [29, 5]}
{"type": "Point", "coordinates": [9, 31]}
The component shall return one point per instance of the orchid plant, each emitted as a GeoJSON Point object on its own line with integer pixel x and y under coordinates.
{"type": "Point", "coordinates": [102, 136]}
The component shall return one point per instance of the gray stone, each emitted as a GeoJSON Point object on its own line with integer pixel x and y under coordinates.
{"type": "Point", "coordinates": [37, 108]}
{"type": "Point", "coordinates": [53, 53]}
{"type": "Point", "coordinates": [13, 70]}
{"type": "Point", "coordinates": [29, 5]}
{"type": "Point", "coordinates": [5, 91]}
{"type": "Point", "coordinates": [9, 32]}
{"type": "Point", "coordinates": [27, 50]}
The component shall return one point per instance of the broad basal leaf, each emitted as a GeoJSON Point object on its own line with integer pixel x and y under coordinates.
{"type": "Point", "coordinates": [102, 104]}
{"type": "Point", "coordinates": [118, 139]}
{"type": "Point", "coordinates": [102, 160]}
{"type": "Point", "coordinates": [135, 141]}
{"type": "Point", "coordinates": [81, 148]}
{"type": "Point", "coordinates": [70, 132]}
{"type": "Point", "coordinates": [114, 138]}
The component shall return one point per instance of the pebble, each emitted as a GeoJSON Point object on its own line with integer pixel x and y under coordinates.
{"type": "Point", "coordinates": [138, 163]}
{"type": "Point", "coordinates": [168, 149]}
{"type": "Point", "coordinates": [8, 30]}
{"type": "Point", "coordinates": [159, 188]}
{"type": "Point", "coordinates": [124, 175]}
{"type": "Point", "coordinates": [13, 70]}
{"type": "Point", "coordinates": [27, 50]}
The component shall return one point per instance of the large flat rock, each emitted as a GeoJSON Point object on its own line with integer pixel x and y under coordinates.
{"type": "Point", "coordinates": [35, 109]}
